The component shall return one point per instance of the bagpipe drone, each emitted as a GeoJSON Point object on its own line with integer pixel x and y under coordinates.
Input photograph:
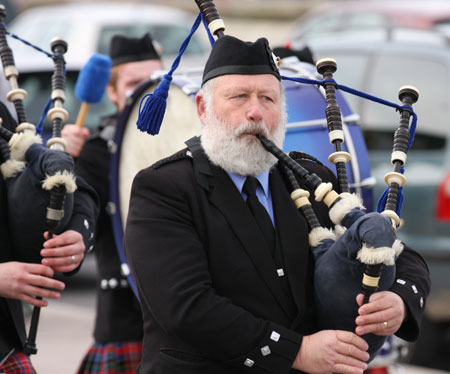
{"type": "Point", "coordinates": [359, 254]}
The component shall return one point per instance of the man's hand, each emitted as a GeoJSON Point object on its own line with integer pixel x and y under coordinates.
{"type": "Point", "coordinates": [332, 351]}
{"type": "Point", "coordinates": [75, 137]}
{"type": "Point", "coordinates": [63, 252]}
{"type": "Point", "coordinates": [24, 282]}
{"type": "Point", "coordinates": [382, 315]}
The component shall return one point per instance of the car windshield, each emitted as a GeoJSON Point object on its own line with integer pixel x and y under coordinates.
{"type": "Point", "coordinates": [168, 36]}
{"type": "Point", "coordinates": [38, 87]}
{"type": "Point", "coordinates": [382, 75]}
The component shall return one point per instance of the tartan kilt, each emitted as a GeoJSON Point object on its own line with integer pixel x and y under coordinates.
{"type": "Point", "coordinates": [17, 363]}
{"type": "Point", "coordinates": [112, 358]}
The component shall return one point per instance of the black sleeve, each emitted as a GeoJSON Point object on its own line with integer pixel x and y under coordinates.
{"type": "Point", "coordinates": [412, 284]}
{"type": "Point", "coordinates": [84, 215]}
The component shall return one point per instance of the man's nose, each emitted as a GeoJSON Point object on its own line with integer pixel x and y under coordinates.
{"type": "Point", "coordinates": [254, 112]}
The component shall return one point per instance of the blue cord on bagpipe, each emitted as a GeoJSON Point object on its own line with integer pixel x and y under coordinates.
{"type": "Point", "coordinates": [412, 129]}
{"type": "Point", "coordinates": [39, 125]}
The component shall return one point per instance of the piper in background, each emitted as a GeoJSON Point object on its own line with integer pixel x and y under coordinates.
{"type": "Point", "coordinates": [118, 328]}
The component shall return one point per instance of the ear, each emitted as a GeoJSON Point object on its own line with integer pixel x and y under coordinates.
{"type": "Point", "coordinates": [112, 94]}
{"type": "Point", "coordinates": [201, 108]}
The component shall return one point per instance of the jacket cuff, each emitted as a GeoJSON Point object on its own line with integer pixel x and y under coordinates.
{"type": "Point", "coordinates": [86, 228]}
{"type": "Point", "coordinates": [414, 300]}
{"type": "Point", "coordinates": [275, 353]}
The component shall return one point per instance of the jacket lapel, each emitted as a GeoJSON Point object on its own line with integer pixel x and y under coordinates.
{"type": "Point", "coordinates": [226, 197]}
{"type": "Point", "coordinates": [293, 235]}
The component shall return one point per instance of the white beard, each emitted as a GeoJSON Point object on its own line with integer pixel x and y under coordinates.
{"type": "Point", "coordinates": [243, 155]}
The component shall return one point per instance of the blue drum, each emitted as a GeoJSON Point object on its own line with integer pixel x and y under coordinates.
{"type": "Point", "coordinates": [306, 131]}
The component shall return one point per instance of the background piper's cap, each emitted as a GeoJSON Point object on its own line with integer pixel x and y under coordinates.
{"type": "Point", "coordinates": [230, 55]}
{"type": "Point", "coordinates": [305, 54]}
{"type": "Point", "coordinates": [124, 49]}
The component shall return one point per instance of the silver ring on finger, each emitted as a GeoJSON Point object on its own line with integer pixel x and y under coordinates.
{"type": "Point", "coordinates": [73, 259]}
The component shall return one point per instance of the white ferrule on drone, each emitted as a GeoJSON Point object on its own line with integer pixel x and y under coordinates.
{"type": "Point", "coordinates": [336, 135]}
{"type": "Point", "coordinates": [56, 143]}
{"type": "Point", "coordinates": [398, 156]}
{"type": "Point", "coordinates": [395, 219]}
{"type": "Point", "coordinates": [58, 113]}
{"type": "Point", "coordinates": [394, 177]}
{"type": "Point", "coordinates": [325, 192]}
{"type": "Point", "coordinates": [300, 197]}
{"type": "Point", "coordinates": [216, 25]}
{"type": "Point", "coordinates": [340, 156]}
{"type": "Point", "coordinates": [26, 127]}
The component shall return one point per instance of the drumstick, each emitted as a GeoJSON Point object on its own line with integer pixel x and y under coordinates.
{"type": "Point", "coordinates": [91, 84]}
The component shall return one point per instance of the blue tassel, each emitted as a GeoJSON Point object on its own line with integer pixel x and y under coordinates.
{"type": "Point", "coordinates": [152, 114]}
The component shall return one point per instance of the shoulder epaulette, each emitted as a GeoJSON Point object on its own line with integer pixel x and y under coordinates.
{"type": "Point", "coordinates": [183, 154]}
{"type": "Point", "coordinates": [202, 167]}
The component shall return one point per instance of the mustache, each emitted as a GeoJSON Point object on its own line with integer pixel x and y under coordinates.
{"type": "Point", "coordinates": [255, 128]}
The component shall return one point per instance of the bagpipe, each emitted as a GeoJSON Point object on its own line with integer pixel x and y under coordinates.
{"type": "Point", "coordinates": [44, 180]}
{"type": "Point", "coordinates": [39, 179]}
{"type": "Point", "coordinates": [359, 254]}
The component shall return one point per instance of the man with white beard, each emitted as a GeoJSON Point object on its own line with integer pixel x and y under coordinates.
{"type": "Point", "coordinates": [223, 290]}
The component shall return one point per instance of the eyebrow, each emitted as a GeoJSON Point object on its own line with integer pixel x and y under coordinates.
{"type": "Point", "coordinates": [232, 90]}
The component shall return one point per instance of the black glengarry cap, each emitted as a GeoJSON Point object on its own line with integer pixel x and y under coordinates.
{"type": "Point", "coordinates": [230, 55]}
{"type": "Point", "coordinates": [124, 49]}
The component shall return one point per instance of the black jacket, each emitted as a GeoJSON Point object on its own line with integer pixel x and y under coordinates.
{"type": "Point", "coordinates": [211, 296]}
{"type": "Point", "coordinates": [118, 315]}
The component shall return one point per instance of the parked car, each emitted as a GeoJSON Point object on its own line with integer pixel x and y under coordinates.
{"type": "Point", "coordinates": [352, 16]}
{"type": "Point", "coordinates": [12, 9]}
{"type": "Point", "coordinates": [380, 67]}
{"type": "Point", "coordinates": [88, 28]}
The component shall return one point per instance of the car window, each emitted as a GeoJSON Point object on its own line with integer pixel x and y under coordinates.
{"type": "Point", "coordinates": [39, 32]}
{"type": "Point", "coordinates": [362, 20]}
{"type": "Point", "coordinates": [38, 87]}
{"type": "Point", "coordinates": [382, 75]}
{"type": "Point", "coordinates": [383, 140]}
{"type": "Point", "coordinates": [430, 77]}
{"type": "Point", "coordinates": [320, 26]}
{"type": "Point", "coordinates": [169, 37]}
{"type": "Point", "coordinates": [351, 72]}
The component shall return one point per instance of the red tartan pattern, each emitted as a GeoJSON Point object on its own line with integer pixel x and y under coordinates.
{"type": "Point", "coordinates": [17, 363]}
{"type": "Point", "coordinates": [113, 358]}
